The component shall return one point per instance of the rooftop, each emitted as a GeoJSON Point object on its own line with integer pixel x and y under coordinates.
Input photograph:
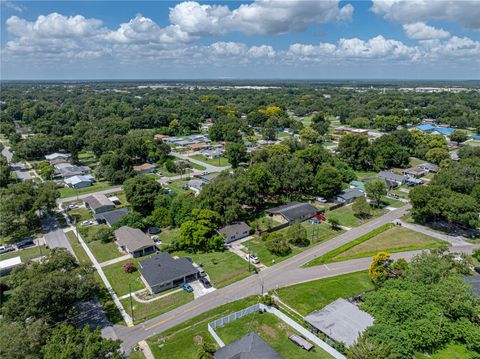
{"type": "Point", "coordinates": [350, 193]}
{"type": "Point", "coordinates": [474, 281]}
{"type": "Point", "coordinates": [294, 210]}
{"type": "Point", "coordinates": [132, 238]}
{"type": "Point", "coordinates": [162, 268]}
{"type": "Point", "coordinates": [250, 346]}
{"type": "Point", "coordinates": [341, 320]}
{"type": "Point", "coordinates": [391, 176]}
{"type": "Point", "coordinates": [234, 229]}
{"type": "Point", "coordinates": [77, 179]}
{"type": "Point", "coordinates": [98, 200]}
{"type": "Point", "coordinates": [112, 217]}
{"type": "Point", "coordinates": [143, 167]}
{"type": "Point", "coordinates": [10, 263]}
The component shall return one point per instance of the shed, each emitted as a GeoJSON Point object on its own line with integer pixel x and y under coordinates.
{"type": "Point", "coordinates": [250, 346]}
{"type": "Point", "coordinates": [301, 342]}
{"type": "Point", "coordinates": [235, 231]}
{"type": "Point", "coordinates": [99, 203]}
{"type": "Point", "coordinates": [162, 272]}
{"type": "Point", "coordinates": [133, 241]}
{"type": "Point", "coordinates": [293, 211]}
{"type": "Point", "coordinates": [341, 321]}
{"type": "Point", "coordinates": [7, 265]}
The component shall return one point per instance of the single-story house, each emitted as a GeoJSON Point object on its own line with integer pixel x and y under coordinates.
{"type": "Point", "coordinates": [144, 168]}
{"type": "Point", "coordinates": [341, 321]}
{"type": "Point", "coordinates": [99, 203]}
{"type": "Point", "coordinates": [65, 170]}
{"type": "Point", "coordinates": [195, 185]}
{"type": "Point", "coordinates": [248, 346]}
{"type": "Point", "coordinates": [7, 265]}
{"type": "Point", "coordinates": [430, 121]}
{"type": "Point", "coordinates": [58, 157]}
{"type": "Point", "coordinates": [413, 181]}
{"type": "Point", "coordinates": [291, 212]}
{"type": "Point", "coordinates": [159, 136]}
{"type": "Point", "coordinates": [211, 154]}
{"type": "Point", "coordinates": [429, 167]}
{"type": "Point", "coordinates": [162, 272]}
{"type": "Point", "coordinates": [392, 177]}
{"type": "Point", "coordinates": [198, 146]}
{"type": "Point", "coordinates": [426, 127]}
{"type": "Point", "coordinates": [133, 241]}
{"type": "Point", "coordinates": [349, 195]}
{"type": "Point", "coordinates": [235, 231]}
{"type": "Point", "coordinates": [414, 172]}
{"type": "Point", "coordinates": [210, 177]}
{"type": "Point", "coordinates": [111, 217]}
{"type": "Point", "coordinates": [79, 181]}
{"type": "Point", "coordinates": [358, 184]}
{"type": "Point", "coordinates": [445, 131]}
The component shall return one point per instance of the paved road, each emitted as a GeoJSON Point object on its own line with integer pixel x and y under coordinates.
{"type": "Point", "coordinates": [453, 240]}
{"type": "Point", "coordinates": [20, 169]}
{"type": "Point", "coordinates": [58, 239]}
{"type": "Point", "coordinates": [209, 168]}
{"type": "Point", "coordinates": [281, 274]}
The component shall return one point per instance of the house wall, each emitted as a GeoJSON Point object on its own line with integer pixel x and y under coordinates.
{"type": "Point", "coordinates": [237, 237]}
{"type": "Point", "coordinates": [143, 252]}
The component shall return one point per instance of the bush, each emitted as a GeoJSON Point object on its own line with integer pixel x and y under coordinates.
{"type": "Point", "coordinates": [104, 234]}
{"type": "Point", "coordinates": [297, 235]}
{"type": "Point", "coordinates": [278, 245]}
{"type": "Point", "coordinates": [129, 267]}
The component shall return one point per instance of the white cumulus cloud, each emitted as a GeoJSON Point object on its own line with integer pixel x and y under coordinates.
{"type": "Point", "coordinates": [422, 31]}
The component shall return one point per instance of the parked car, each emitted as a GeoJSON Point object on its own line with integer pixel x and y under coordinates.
{"type": "Point", "coordinates": [6, 249]}
{"type": "Point", "coordinates": [187, 287]}
{"type": "Point", "coordinates": [253, 258]}
{"type": "Point", "coordinates": [72, 206]}
{"type": "Point", "coordinates": [87, 223]}
{"type": "Point", "coordinates": [205, 173]}
{"type": "Point", "coordinates": [321, 199]}
{"type": "Point", "coordinates": [205, 282]}
{"type": "Point", "coordinates": [24, 243]}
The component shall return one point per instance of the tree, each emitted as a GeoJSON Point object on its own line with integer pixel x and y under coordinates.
{"type": "Point", "coordinates": [309, 135]}
{"type": "Point", "coordinates": [458, 136]}
{"type": "Point", "coordinates": [376, 189]}
{"type": "Point", "coordinates": [277, 245]}
{"type": "Point", "coordinates": [22, 340]}
{"type": "Point", "coordinates": [437, 155]}
{"type": "Point", "coordinates": [334, 223]}
{"type": "Point", "coordinates": [297, 235]}
{"type": "Point", "coordinates": [103, 234]}
{"type": "Point", "coordinates": [66, 341]}
{"type": "Point", "coordinates": [115, 167]}
{"type": "Point", "coordinates": [328, 181]}
{"type": "Point", "coordinates": [354, 149]}
{"type": "Point", "coordinates": [205, 351]}
{"type": "Point", "coordinates": [141, 192]}
{"type": "Point", "coordinates": [365, 348]}
{"type": "Point", "coordinates": [199, 232]}
{"type": "Point", "coordinates": [131, 219]}
{"type": "Point", "coordinates": [262, 179]}
{"type": "Point", "coordinates": [320, 123]}
{"type": "Point", "coordinates": [361, 208]}
{"type": "Point", "coordinates": [46, 170]}
{"type": "Point", "coordinates": [161, 217]}
{"type": "Point", "coordinates": [235, 153]}
{"type": "Point", "coordinates": [4, 172]}
{"type": "Point", "coordinates": [380, 267]}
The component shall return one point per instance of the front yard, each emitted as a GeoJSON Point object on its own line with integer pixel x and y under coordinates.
{"type": "Point", "coordinates": [120, 280]}
{"type": "Point", "coordinates": [27, 253]}
{"type": "Point", "coordinates": [218, 162]}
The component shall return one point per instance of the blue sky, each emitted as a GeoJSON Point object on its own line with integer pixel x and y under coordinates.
{"type": "Point", "coordinates": [401, 39]}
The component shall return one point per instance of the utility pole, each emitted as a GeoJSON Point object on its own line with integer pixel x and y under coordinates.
{"type": "Point", "coordinates": [131, 303]}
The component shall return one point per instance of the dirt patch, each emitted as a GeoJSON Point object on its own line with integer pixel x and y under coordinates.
{"type": "Point", "coordinates": [269, 331]}
{"type": "Point", "coordinates": [198, 340]}
{"type": "Point", "coordinates": [281, 326]}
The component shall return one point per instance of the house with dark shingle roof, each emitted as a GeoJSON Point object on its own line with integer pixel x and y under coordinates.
{"type": "Point", "coordinates": [162, 272]}
{"type": "Point", "coordinates": [349, 195]}
{"type": "Point", "coordinates": [235, 231]}
{"type": "Point", "coordinates": [291, 212]}
{"type": "Point", "coordinates": [111, 217]}
{"type": "Point", "coordinates": [250, 346]}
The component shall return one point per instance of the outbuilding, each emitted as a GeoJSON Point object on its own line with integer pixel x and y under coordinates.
{"type": "Point", "coordinates": [7, 265]}
{"type": "Point", "coordinates": [250, 346]}
{"type": "Point", "coordinates": [111, 217]}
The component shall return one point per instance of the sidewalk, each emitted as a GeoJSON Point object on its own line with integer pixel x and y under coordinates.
{"type": "Point", "coordinates": [115, 260]}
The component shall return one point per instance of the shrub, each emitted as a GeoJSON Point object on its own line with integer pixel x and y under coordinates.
{"type": "Point", "coordinates": [278, 245]}
{"type": "Point", "coordinates": [129, 267]}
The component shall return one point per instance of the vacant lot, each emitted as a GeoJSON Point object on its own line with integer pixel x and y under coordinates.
{"type": "Point", "coordinates": [346, 218]}
{"type": "Point", "coordinates": [396, 239]}
{"type": "Point", "coordinates": [310, 296]}
{"type": "Point", "coordinates": [271, 329]}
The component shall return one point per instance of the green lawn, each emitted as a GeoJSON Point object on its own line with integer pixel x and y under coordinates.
{"type": "Point", "coordinates": [87, 158]}
{"type": "Point", "coordinates": [395, 239]}
{"type": "Point", "coordinates": [72, 192]}
{"type": "Point", "coordinates": [390, 202]}
{"type": "Point", "coordinates": [310, 296]}
{"type": "Point", "coordinates": [177, 186]}
{"type": "Point", "coordinates": [264, 223]}
{"type": "Point", "coordinates": [167, 236]}
{"type": "Point", "coordinates": [194, 165]}
{"type": "Point", "coordinates": [27, 253]}
{"type": "Point", "coordinates": [184, 340]}
{"type": "Point", "coordinates": [104, 251]}
{"type": "Point", "coordinates": [219, 162]}
{"type": "Point", "coordinates": [223, 268]}
{"type": "Point", "coordinates": [451, 351]}
{"type": "Point", "coordinates": [119, 279]}
{"type": "Point", "coordinates": [365, 174]}
{"type": "Point", "coordinates": [80, 214]}
{"type": "Point", "coordinates": [317, 233]}
{"type": "Point", "coordinates": [145, 311]}
{"type": "Point", "coordinates": [346, 218]}
{"type": "Point", "coordinates": [271, 329]}
{"type": "Point", "coordinates": [78, 249]}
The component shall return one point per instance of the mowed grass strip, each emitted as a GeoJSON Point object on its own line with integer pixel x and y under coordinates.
{"type": "Point", "coordinates": [145, 311]}
{"type": "Point", "coordinates": [78, 249]}
{"type": "Point", "coordinates": [271, 329]}
{"type": "Point", "coordinates": [395, 239]}
{"type": "Point", "coordinates": [27, 253]}
{"type": "Point", "coordinates": [314, 295]}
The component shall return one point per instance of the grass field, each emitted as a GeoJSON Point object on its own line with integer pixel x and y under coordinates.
{"type": "Point", "coordinates": [78, 249]}
{"type": "Point", "coordinates": [176, 186]}
{"type": "Point", "coordinates": [87, 158]}
{"type": "Point", "coordinates": [72, 192]}
{"type": "Point", "coordinates": [27, 253]}
{"type": "Point", "coordinates": [271, 329]}
{"type": "Point", "coordinates": [346, 218]}
{"type": "Point", "coordinates": [184, 340]}
{"type": "Point", "coordinates": [80, 214]}
{"type": "Point", "coordinates": [390, 202]}
{"type": "Point", "coordinates": [145, 311]}
{"type": "Point", "coordinates": [104, 251]}
{"type": "Point", "coordinates": [451, 351]}
{"type": "Point", "coordinates": [194, 165]}
{"type": "Point", "coordinates": [310, 296]}
{"type": "Point", "coordinates": [316, 233]}
{"type": "Point", "coordinates": [223, 268]}
{"type": "Point", "coordinates": [395, 239]}
{"type": "Point", "coordinates": [219, 162]}
{"type": "Point", "coordinates": [119, 279]}
{"type": "Point", "coordinates": [167, 236]}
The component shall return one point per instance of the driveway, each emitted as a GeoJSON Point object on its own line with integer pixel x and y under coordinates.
{"type": "Point", "coordinates": [58, 239]}
{"type": "Point", "coordinates": [199, 290]}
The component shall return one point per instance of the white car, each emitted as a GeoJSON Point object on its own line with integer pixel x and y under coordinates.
{"type": "Point", "coordinates": [321, 199]}
{"type": "Point", "coordinates": [253, 258]}
{"type": "Point", "coordinates": [87, 223]}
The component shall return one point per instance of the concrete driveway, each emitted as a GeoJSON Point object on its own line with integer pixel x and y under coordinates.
{"type": "Point", "coordinates": [199, 290]}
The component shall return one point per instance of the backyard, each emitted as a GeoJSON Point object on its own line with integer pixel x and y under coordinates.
{"type": "Point", "coordinates": [271, 329]}
{"type": "Point", "coordinates": [346, 218]}
{"type": "Point", "coordinates": [314, 295]}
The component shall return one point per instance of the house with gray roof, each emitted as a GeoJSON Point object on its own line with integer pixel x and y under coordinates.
{"type": "Point", "coordinates": [79, 181]}
{"type": "Point", "coordinates": [111, 217]}
{"type": "Point", "coordinates": [235, 231]}
{"type": "Point", "coordinates": [99, 203]}
{"type": "Point", "coordinates": [392, 177]}
{"type": "Point", "coordinates": [429, 167]}
{"type": "Point", "coordinates": [162, 272]}
{"type": "Point", "coordinates": [291, 212]}
{"type": "Point", "coordinates": [58, 157]}
{"type": "Point", "coordinates": [349, 195]}
{"type": "Point", "coordinates": [133, 241]}
{"type": "Point", "coordinates": [341, 321]}
{"type": "Point", "coordinates": [250, 346]}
